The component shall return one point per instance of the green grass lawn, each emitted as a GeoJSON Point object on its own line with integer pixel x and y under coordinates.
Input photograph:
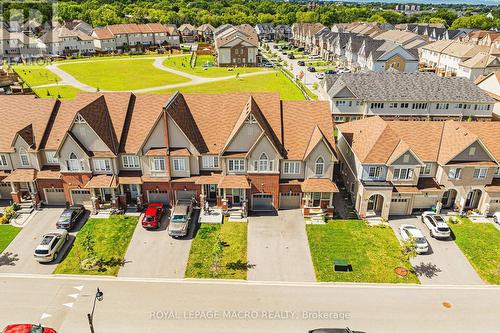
{"type": "Point", "coordinates": [7, 234]}
{"type": "Point", "coordinates": [61, 92]}
{"type": "Point", "coordinates": [35, 75]}
{"type": "Point", "coordinates": [272, 82]}
{"type": "Point", "coordinates": [121, 74]}
{"type": "Point", "coordinates": [112, 237]}
{"type": "Point", "coordinates": [233, 264]}
{"type": "Point", "coordinates": [480, 242]}
{"type": "Point", "coordinates": [372, 252]}
{"type": "Point", "coordinates": [182, 64]}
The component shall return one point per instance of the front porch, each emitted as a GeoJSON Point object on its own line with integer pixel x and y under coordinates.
{"type": "Point", "coordinates": [317, 200]}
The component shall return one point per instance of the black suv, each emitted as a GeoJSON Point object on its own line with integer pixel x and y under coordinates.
{"type": "Point", "coordinates": [69, 217]}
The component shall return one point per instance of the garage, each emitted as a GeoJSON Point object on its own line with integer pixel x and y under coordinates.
{"type": "Point", "coordinates": [81, 197]}
{"type": "Point", "coordinates": [5, 190]}
{"type": "Point", "coordinates": [399, 206]}
{"type": "Point", "coordinates": [185, 195]}
{"type": "Point", "coordinates": [158, 196]}
{"type": "Point", "coordinates": [424, 202]}
{"type": "Point", "coordinates": [289, 200]}
{"type": "Point", "coordinates": [54, 196]}
{"type": "Point", "coordinates": [262, 201]}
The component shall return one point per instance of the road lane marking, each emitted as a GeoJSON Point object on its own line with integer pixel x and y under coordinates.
{"type": "Point", "coordinates": [79, 288]}
{"type": "Point", "coordinates": [69, 305]}
{"type": "Point", "coordinates": [45, 315]}
{"type": "Point", "coordinates": [75, 296]}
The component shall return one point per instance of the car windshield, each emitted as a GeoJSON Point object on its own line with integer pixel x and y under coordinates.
{"type": "Point", "coordinates": [178, 218]}
{"type": "Point", "coordinates": [149, 218]}
{"type": "Point", "coordinates": [41, 252]}
{"type": "Point", "coordinates": [36, 329]}
{"type": "Point", "coordinates": [443, 229]}
{"type": "Point", "coordinates": [420, 240]}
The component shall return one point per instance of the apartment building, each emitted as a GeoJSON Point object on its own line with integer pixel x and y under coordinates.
{"type": "Point", "coordinates": [65, 42]}
{"type": "Point", "coordinates": [188, 33]}
{"type": "Point", "coordinates": [108, 149]}
{"type": "Point", "coordinates": [406, 96]}
{"type": "Point", "coordinates": [265, 31]}
{"type": "Point", "coordinates": [283, 32]}
{"type": "Point", "coordinates": [303, 34]}
{"type": "Point", "coordinates": [236, 46]}
{"type": "Point", "coordinates": [400, 168]}
{"type": "Point", "coordinates": [16, 45]}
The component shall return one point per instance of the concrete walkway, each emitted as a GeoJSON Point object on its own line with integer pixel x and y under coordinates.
{"type": "Point", "coordinates": [278, 247]}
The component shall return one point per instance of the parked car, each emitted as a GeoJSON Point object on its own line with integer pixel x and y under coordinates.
{"type": "Point", "coordinates": [268, 64]}
{"type": "Point", "coordinates": [291, 56]}
{"type": "Point", "coordinates": [51, 245]}
{"type": "Point", "coordinates": [300, 49]}
{"type": "Point", "coordinates": [314, 56]}
{"type": "Point", "coordinates": [408, 231]}
{"type": "Point", "coordinates": [334, 330]}
{"type": "Point", "coordinates": [27, 328]}
{"type": "Point", "coordinates": [69, 217]}
{"type": "Point", "coordinates": [181, 218]}
{"type": "Point", "coordinates": [301, 63]}
{"type": "Point", "coordinates": [152, 215]}
{"type": "Point", "coordinates": [306, 52]}
{"type": "Point", "coordinates": [343, 70]}
{"type": "Point", "coordinates": [284, 53]}
{"type": "Point", "coordinates": [311, 69]}
{"type": "Point", "coordinates": [320, 75]}
{"type": "Point", "coordinates": [436, 224]}
{"type": "Point", "coordinates": [330, 71]}
{"type": "Point", "coordinates": [496, 217]}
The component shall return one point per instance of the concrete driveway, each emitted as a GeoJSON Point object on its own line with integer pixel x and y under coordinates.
{"type": "Point", "coordinates": [278, 247]}
{"type": "Point", "coordinates": [153, 253]}
{"type": "Point", "coordinates": [18, 256]}
{"type": "Point", "coordinates": [444, 263]}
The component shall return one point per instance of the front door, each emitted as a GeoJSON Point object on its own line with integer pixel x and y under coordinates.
{"type": "Point", "coordinates": [316, 199]}
{"type": "Point", "coordinates": [131, 193]}
{"type": "Point", "coordinates": [372, 202]}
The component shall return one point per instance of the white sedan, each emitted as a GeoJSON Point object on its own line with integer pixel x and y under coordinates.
{"type": "Point", "coordinates": [436, 224]}
{"type": "Point", "coordinates": [409, 231]}
{"type": "Point", "coordinates": [496, 217]}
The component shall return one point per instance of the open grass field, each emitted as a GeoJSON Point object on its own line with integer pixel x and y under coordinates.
{"type": "Point", "coordinates": [112, 237]}
{"type": "Point", "coordinates": [233, 262]}
{"type": "Point", "coordinates": [272, 82]}
{"type": "Point", "coordinates": [480, 242]}
{"type": "Point", "coordinates": [36, 75]}
{"type": "Point", "coordinates": [121, 74]}
{"type": "Point", "coordinates": [7, 234]}
{"type": "Point", "coordinates": [60, 92]}
{"type": "Point", "coordinates": [182, 64]}
{"type": "Point", "coordinates": [372, 252]}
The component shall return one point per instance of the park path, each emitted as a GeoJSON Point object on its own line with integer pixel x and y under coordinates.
{"type": "Point", "coordinates": [67, 79]}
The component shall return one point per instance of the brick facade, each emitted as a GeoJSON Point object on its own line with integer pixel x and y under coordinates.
{"type": "Point", "coordinates": [74, 181]}
{"type": "Point", "coordinates": [47, 183]}
{"type": "Point", "coordinates": [265, 183]}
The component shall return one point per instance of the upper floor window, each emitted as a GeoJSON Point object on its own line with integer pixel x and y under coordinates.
{"type": "Point", "coordinates": [102, 165]}
{"type": "Point", "coordinates": [24, 157]}
{"type": "Point", "coordinates": [480, 173]}
{"type": "Point", "coordinates": [263, 164]}
{"type": "Point", "coordinates": [250, 118]}
{"type": "Point", "coordinates": [374, 172]}
{"type": "Point", "coordinates": [210, 162]}
{"type": "Point", "coordinates": [404, 105]}
{"type": "Point", "coordinates": [419, 106]}
{"type": "Point", "coordinates": [426, 170]}
{"type": "Point", "coordinates": [236, 165]}
{"type": "Point", "coordinates": [472, 151]}
{"type": "Point", "coordinates": [51, 157]}
{"type": "Point", "coordinates": [3, 160]}
{"type": "Point", "coordinates": [130, 161]}
{"type": "Point", "coordinates": [482, 107]}
{"type": "Point", "coordinates": [442, 106]}
{"type": "Point", "coordinates": [403, 174]}
{"type": "Point", "coordinates": [291, 168]}
{"type": "Point", "coordinates": [73, 163]}
{"type": "Point", "coordinates": [376, 105]}
{"type": "Point", "coordinates": [454, 173]}
{"type": "Point", "coordinates": [319, 168]}
{"type": "Point", "coordinates": [79, 119]}
{"type": "Point", "coordinates": [158, 163]}
{"type": "Point", "coordinates": [179, 164]}
{"type": "Point", "coordinates": [343, 103]}
{"type": "Point", "coordinates": [393, 105]}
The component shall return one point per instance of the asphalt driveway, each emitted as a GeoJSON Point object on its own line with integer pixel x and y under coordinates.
{"type": "Point", "coordinates": [444, 263]}
{"type": "Point", "coordinates": [278, 247]}
{"type": "Point", "coordinates": [154, 254]}
{"type": "Point", "coordinates": [18, 256]}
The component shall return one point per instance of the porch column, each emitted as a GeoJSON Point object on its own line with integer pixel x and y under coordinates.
{"type": "Point", "coordinates": [331, 199]}
{"type": "Point", "coordinates": [114, 202]}
{"type": "Point", "coordinates": [93, 198]}
{"type": "Point", "coordinates": [13, 187]}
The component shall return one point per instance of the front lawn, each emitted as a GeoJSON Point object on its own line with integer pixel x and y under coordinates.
{"type": "Point", "coordinates": [35, 75]}
{"type": "Point", "coordinates": [480, 242]}
{"type": "Point", "coordinates": [373, 252]}
{"type": "Point", "coordinates": [121, 74]}
{"type": "Point", "coordinates": [7, 234]}
{"type": "Point", "coordinates": [183, 64]}
{"type": "Point", "coordinates": [273, 82]}
{"type": "Point", "coordinates": [233, 261]}
{"type": "Point", "coordinates": [111, 237]}
{"type": "Point", "coordinates": [60, 92]}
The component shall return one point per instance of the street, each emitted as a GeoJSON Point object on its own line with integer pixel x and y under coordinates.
{"type": "Point", "coordinates": [160, 305]}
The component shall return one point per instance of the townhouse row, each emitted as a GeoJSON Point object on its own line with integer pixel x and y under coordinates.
{"type": "Point", "coordinates": [236, 151]}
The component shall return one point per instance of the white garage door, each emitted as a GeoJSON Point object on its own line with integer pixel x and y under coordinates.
{"type": "Point", "coordinates": [81, 197]}
{"type": "Point", "coordinates": [399, 206]}
{"type": "Point", "coordinates": [54, 196]}
{"type": "Point", "coordinates": [289, 200]}
{"type": "Point", "coordinates": [182, 195]}
{"type": "Point", "coordinates": [5, 190]}
{"type": "Point", "coordinates": [424, 202]}
{"type": "Point", "coordinates": [158, 196]}
{"type": "Point", "coordinates": [262, 202]}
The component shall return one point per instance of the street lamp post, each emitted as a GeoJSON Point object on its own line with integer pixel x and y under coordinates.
{"type": "Point", "coordinates": [90, 316]}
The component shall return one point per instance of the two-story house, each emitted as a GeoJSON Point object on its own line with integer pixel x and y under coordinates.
{"type": "Point", "coordinates": [399, 168]}
{"type": "Point", "coordinates": [206, 33]}
{"type": "Point", "coordinates": [62, 41]}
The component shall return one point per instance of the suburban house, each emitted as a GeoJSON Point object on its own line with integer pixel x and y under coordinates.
{"type": "Point", "coordinates": [79, 25]}
{"type": "Point", "coordinates": [404, 167]}
{"type": "Point", "coordinates": [491, 85]}
{"type": "Point", "coordinates": [108, 149]}
{"type": "Point", "coordinates": [265, 31]}
{"type": "Point", "coordinates": [189, 34]}
{"type": "Point", "coordinates": [282, 32]}
{"type": "Point", "coordinates": [65, 42]}
{"type": "Point", "coordinates": [206, 33]}
{"type": "Point", "coordinates": [237, 46]}
{"type": "Point", "coordinates": [17, 45]}
{"type": "Point", "coordinates": [135, 37]}
{"type": "Point", "coordinates": [434, 31]}
{"type": "Point", "coordinates": [303, 34]}
{"type": "Point", "coordinates": [406, 96]}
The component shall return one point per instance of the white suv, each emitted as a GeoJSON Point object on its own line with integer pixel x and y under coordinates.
{"type": "Point", "coordinates": [51, 245]}
{"type": "Point", "coordinates": [436, 224]}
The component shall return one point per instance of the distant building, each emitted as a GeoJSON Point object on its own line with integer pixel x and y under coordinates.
{"type": "Point", "coordinates": [283, 32]}
{"type": "Point", "coordinates": [491, 85]}
{"type": "Point", "coordinates": [265, 31]}
{"type": "Point", "coordinates": [206, 33]}
{"type": "Point", "coordinates": [237, 46]}
{"type": "Point", "coordinates": [188, 33]}
{"type": "Point", "coordinates": [17, 45]}
{"type": "Point", "coordinates": [64, 42]}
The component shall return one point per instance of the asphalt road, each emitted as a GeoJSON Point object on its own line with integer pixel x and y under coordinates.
{"type": "Point", "coordinates": [132, 305]}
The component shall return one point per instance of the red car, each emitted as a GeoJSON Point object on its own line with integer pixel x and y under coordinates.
{"type": "Point", "coordinates": [27, 328]}
{"type": "Point", "coordinates": [152, 216]}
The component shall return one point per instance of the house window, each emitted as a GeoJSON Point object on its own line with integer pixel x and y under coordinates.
{"type": "Point", "coordinates": [406, 158]}
{"type": "Point", "coordinates": [442, 106]}
{"type": "Point", "coordinates": [319, 169]}
{"type": "Point", "coordinates": [102, 165]}
{"type": "Point", "coordinates": [376, 105]}
{"type": "Point", "coordinates": [403, 174]}
{"type": "Point", "coordinates": [291, 168]}
{"type": "Point", "coordinates": [393, 105]}
{"type": "Point", "coordinates": [426, 170]}
{"type": "Point", "coordinates": [236, 165]}
{"type": "Point", "coordinates": [480, 173]}
{"type": "Point", "coordinates": [374, 172]}
{"type": "Point", "coordinates": [3, 160]}
{"type": "Point", "coordinates": [179, 164]}
{"type": "Point", "coordinates": [158, 164]}
{"type": "Point", "coordinates": [51, 158]}
{"type": "Point", "coordinates": [73, 164]}
{"type": "Point", "coordinates": [404, 105]}
{"type": "Point", "coordinates": [454, 173]}
{"type": "Point", "coordinates": [79, 119]}
{"type": "Point", "coordinates": [419, 106]}
{"type": "Point", "coordinates": [130, 161]}
{"type": "Point", "coordinates": [264, 163]}
{"type": "Point", "coordinates": [23, 156]}
{"type": "Point", "coordinates": [210, 162]}
{"type": "Point", "coordinates": [250, 119]}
